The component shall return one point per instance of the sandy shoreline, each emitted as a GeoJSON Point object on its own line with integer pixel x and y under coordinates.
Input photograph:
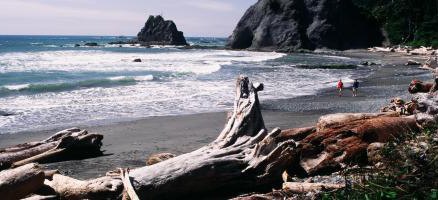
{"type": "Point", "coordinates": [128, 144]}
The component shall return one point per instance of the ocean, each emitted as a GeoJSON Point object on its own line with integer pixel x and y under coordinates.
{"type": "Point", "coordinates": [46, 82]}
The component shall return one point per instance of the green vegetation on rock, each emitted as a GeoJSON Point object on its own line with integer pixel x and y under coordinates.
{"type": "Point", "coordinates": [406, 22]}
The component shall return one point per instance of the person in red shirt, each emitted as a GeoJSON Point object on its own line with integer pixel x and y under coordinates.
{"type": "Point", "coordinates": [340, 86]}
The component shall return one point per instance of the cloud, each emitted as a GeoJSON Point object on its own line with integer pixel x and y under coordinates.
{"type": "Point", "coordinates": [114, 17]}
{"type": "Point", "coordinates": [35, 10]}
{"type": "Point", "coordinates": [212, 5]}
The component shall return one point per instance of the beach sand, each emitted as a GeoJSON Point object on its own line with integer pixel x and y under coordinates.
{"type": "Point", "coordinates": [128, 144]}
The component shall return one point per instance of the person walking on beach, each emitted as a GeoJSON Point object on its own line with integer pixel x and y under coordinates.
{"type": "Point", "coordinates": [340, 86]}
{"type": "Point", "coordinates": [355, 87]}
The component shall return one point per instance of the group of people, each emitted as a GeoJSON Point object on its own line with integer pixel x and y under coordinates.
{"type": "Point", "coordinates": [340, 87]}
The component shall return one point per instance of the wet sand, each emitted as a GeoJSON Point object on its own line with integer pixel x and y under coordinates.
{"type": "Point", "coordinates": [128, 144]}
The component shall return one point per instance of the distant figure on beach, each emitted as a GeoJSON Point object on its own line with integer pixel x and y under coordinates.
{"type": "Point", "coordinates": [340, 86]}
{"type": "Point", "coordinates": [355, 87]}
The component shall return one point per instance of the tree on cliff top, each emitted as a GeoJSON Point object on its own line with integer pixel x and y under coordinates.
{"type": "Point", "coordinates": [410, 22]}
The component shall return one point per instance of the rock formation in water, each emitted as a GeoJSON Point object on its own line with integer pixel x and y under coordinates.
{"type": "Point", "coordinates": [158, 31]}
{"type": "Point", "coordinates": [288, 25]}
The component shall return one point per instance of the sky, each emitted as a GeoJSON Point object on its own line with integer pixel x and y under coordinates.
{"type": "Point", "coordinates": [207, 18]}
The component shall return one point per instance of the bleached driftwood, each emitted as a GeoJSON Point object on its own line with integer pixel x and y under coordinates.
{"type": "Point", "coordinates": [68, 144]}
{"type": "Point", "coordinates": [129, 189]}
{"type": "Point", "coordinates": [72, 189]}
{"type": "Point", "coordinates": [297, 187]}
{"type": "Point", "coordinates": [20, 182]}
{"type": "Point", "coordinates": [40, 197]}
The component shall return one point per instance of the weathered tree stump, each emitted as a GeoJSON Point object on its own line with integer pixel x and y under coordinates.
{"type": "Point", "coordinates": [68, 144]}
{"type": "Point", "coordinates": [243, 157]}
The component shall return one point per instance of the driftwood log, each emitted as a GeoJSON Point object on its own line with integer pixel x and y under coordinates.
{"type": "Point", "coordinates": [298, 187]}
{"type": "Point", "coordinates": [341, 139]}
{"type": "Point", "coordinates": [68, 144]}
{"type": "Point", "coordinates": [244, 157]}
{"type": "Point", "coordinates": [20, 182]}
{"type": "Point", "coordinates": [72, 189]}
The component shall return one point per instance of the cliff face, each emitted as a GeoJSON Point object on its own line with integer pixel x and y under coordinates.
{"type": "Point", "coordinates": [287, 25]}
{"type": "Point", "coordinates": [158, 31]}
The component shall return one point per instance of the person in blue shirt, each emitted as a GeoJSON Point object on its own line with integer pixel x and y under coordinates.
{"type": "Point", "coordinates": [355, 87]}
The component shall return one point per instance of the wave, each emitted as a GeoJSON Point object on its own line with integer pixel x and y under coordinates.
{"type": "Point", "coordinates": [57, 87]}
{"type": "Point", "coordinates": [186, 61]}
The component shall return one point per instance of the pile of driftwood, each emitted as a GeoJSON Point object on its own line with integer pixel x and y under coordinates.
{"type": "Point", "coordinates": [406, 49]}
{"type": "Point", "coordinates": [245, 157]}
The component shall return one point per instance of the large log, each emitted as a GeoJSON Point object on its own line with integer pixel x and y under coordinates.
{"type": "Point", "coordinates": [20, 182]}
{"type": "Point", "coordinates": [333, 147]}
{"type": "Point", "coordinates": [68, 144]}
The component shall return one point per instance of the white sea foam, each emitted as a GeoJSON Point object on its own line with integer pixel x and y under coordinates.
{"type": "Point", "coordinates": [192, 61]}
{"type": "Point", "coordinates": [17, 87]}
{"type": "Point", "coordinates": [137, 78]}
{"type": "Point", "coordinates": [117, 78]}
{"type": "Point", "coordinates": [144, 78]}
{"type": "Point", "coordinates": [51, 45]}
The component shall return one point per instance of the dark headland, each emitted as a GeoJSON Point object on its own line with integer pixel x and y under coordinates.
{"type": "Point", "coordinates": [289, 25]}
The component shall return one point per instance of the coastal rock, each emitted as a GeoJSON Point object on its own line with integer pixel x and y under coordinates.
{"type": "Point", "coordinates": [417, 86]}
{"type": "Point", "coordinates": [412, 62]}
{"type": "Point", "coordinates": [158, 31]}
{"type": "Point", "coordinates": [374, 152]}
{"type": "Point", "coordinates": [288, 25]}
{"type": "Point", "coordinates": [91, 44]}
{"type": "Point", "coordinates": [137, 60]}
{"type": "Point", "coordinates": [160, 157]}
{"type": "Point", "coordinates": [5, 114]}
{"type": "Point", "coordinates": [368, 63]}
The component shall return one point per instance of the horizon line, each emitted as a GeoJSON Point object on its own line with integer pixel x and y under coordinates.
{"type": "Point", "coordinates": [97, 35]}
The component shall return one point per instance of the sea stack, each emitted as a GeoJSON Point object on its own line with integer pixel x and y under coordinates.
{"type": "Point", "coordinates": [289, 25]}
{"type": "Point", "coordinates": [158, 31]}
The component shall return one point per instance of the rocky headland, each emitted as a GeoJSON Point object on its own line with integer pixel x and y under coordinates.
{"type": "Point", "coordinates": [289, 25]}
